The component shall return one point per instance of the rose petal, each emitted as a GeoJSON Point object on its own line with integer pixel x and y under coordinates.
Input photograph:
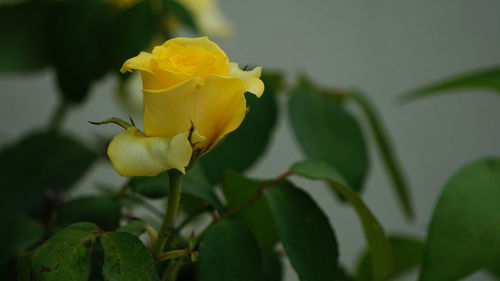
{"type": "Point", "coordinates": [251, 77]}
{"type": "Point", "coordinates": [215, 106]}
{"type": "Point", "coordinates": [133, 154]}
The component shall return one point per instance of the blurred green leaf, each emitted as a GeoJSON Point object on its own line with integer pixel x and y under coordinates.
{"type": "Point", "coordinates": [181, 13]}
{"type": "Point", "coordinates": [24, 40]}
{"type": "Point", "coordinates": [387, 153]}
{"type": "Point", "coordinates": [19, 233]}
{"type": "Point", "coordinates": [150, 187]}
{"type": "Point", "coordinates": [494, 269]}
{"type": "Point", "coordinates": [327, 132]}
{"type": "Point", "coordinates": [407, 254]}
{"type": "Point", "coordinates": [133, 32]}
{"type": "Point", "coordinates": [228, 251]}
{"type": "Point", "coordinates": [382, 260]}
{"type": "Point", "coordinates": [126, 258]}
{"type": "Point", "coordinates": [53, 161]}
{"type": "Point", "coordinates": [23, 267]}
{"type": "Point", "coordinates": [242, 148]}
{"type": "Point", "coordinates": [485, 79]}
{"type": "Point", "coordinates": [464, 234]}
{"type": "Point", "coordinates": [271, 266]}
{"type": "Point", "coordinates": [257, 217]}
{"type": "Point", "coordinates": [104, 211]}
{"type": "Point", "coordinates": [65, 256]}
{"type": "Point", "coordinates": [307, 236]}
{"type": "Point", "coordinates": [80, 44]}
{"type": "Point", "coordinates": [194, 183]}
{"type": "Point", "coordinates": [134, 227]}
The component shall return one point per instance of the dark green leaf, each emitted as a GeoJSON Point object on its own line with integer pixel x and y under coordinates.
{"type": "Point", "coordinates": [24, 40]}
{"type": "Point", "coordinates": [133, 33]}
{"type": "Point", "coordinates": [23, 267]}
{"type": "Point", "coordinates": [65, 256]}
{"type": "Point", "coordinates": [494, 269]}
{"type": "Point", "coordinates": [196, 184]}
{"type": "Point", "coordinates": [256, 217]}
{"type": "Point", "coordinates": [271, 266]}
{"type": "Point", "coordinates": [104, 211]}
{"type": "Point", "coordinates": [126, 258]}
{"type": "Point", "coordinates": [485, 79]}
{"type": "Point", "coordinates": [327, 132]}
{"type": "Point", "coordinates": [307, 235]}
{"type": "Point", "coordinates": [464, 235]}
{"type": "Point", "coordinates": [181, 13]}
{"type": "Point", "coordinates": [150, 187]}
{"type": "Point", "coordinates": [134, 227]}
{"type": "Point", "coordinates": [54, 161]}
{"type": "Point", "coordinates": [81, 38]}
{"type": "Point", "coordinates": [407, 253]}
{"type": "Point", "coordinates": [228, 252]}
{"type": "Point", "coordinates": [242, 148]}
{"type": "Point", "coordinates": [382, 260]}
{"type": "Point", "coordinates": [386, 152]}
{"type": "Point", "coordinates": [19, 233]}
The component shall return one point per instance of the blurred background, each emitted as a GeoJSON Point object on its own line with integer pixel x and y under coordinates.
{"type": "Point", "coordinates": [385, 48]}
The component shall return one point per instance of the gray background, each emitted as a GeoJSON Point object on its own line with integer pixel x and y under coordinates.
{"type": "Point", "coordinates": [382, 47]}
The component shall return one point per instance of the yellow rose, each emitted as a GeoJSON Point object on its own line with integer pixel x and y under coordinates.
{"type": "Point", "coordinates": [192, 95]}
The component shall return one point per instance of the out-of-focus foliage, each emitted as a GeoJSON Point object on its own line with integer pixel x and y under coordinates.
{"type": "Point", "coordinates": [232, 227]}
{"type": "Point", "coordinates": [326, 131]}
{"type": "Point", "coordinates": [381, 260]}
{"type": "Point", "coordinates": [407, 255]}
{"type": "Point", "coordinates": [484, 79]}
{"type": "Point", "coordinates": [463, 234]}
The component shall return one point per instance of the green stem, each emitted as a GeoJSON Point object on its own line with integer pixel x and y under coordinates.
{"type": "Point", "coordinates": [58, 115]}
{"type": "Point", "coordinates": [172, 270]}
{"type": "Point", "coordinates": [174, 196]}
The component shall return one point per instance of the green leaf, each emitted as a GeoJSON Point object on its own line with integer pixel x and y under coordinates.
{"type": "Point", "coordinates": [181, 13]}
{"type": "Point", "coordinates": [55, 161]}
{"type": "Point", "coordinates": [407, 253]}
{"type": "Point", "coordinates": [22, 233]}
{"type": "Point", "coordinates": [23, 267]}
{"type": "Point", "coordinates": [150, 187]}
{"type": "Point", "coordinates": [387, 153]}
{"type": "Point", "coordinates": [271, 266]}
{"type": "Point", "coordinates": [484, 79]}
{"type": "Point", "coordinates": [66, 256]}
{"type": "Point", "coordinates": [464, 235]}
{"type": "Point", "coordinates": [194, 183]}
{"type": "Point", "coordinates": [382, 260]}
{"type": "Point", "coordinates": [327, 132]}
{"type": "Point", "coordinates": [24, 40]}
{"type": "Point", "coordinates": [494, 269]}
{"type": "Point", "coordinates": [80, 45]}
{"type": "Point", "coordinates": [134, 227]}
{"type": "Point", "coordinates": [228, 252]}
{"type": "Point", "coordinates": [104, 211]}
{"type": "Point", "coordinates": [257, 217]}
{"type": "Point", "coordinates": [242, 148]}
{"type": "Point", "coordinates": [133, 33]}
{"type": "Point", "coordinates": [126, 258]}
{"type": "Point", "coordinates": [307, 236]}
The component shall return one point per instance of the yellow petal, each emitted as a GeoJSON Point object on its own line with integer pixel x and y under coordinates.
{"type": "Point", "coordinates": [133, 154]}
{"type": "Point", "coordinates": [215, 106]}
{"type": "Point", "coordinates": [202, 42]}
{"type": "Point", "coordinates": [140, 62]}
{"type": "Point", "coordinates": [251, 78]}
